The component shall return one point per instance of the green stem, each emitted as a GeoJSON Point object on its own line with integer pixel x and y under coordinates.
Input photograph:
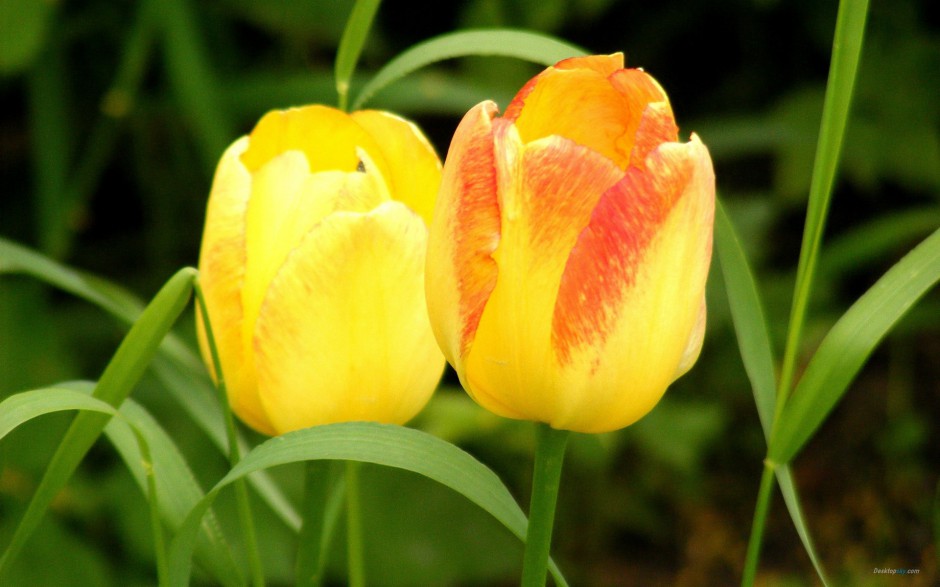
{"type": "Point", "coordinates": [156, 524]}
{"type": "Point", "coordinates": [549, 457]}
{"type": "Point", "coordinates": [355, 559]}
{"type": "Point", "coordinates": [234, 454]}
{"type": "Point", "coordinates": [758, 524]}
{"type": "Point", "coordinates": [313, 541]}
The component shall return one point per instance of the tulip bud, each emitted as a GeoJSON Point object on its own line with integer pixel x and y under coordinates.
{"type": "Point", "coordinates": [312, 268]}
{"type": "Point", "coordinates": [570, 247]}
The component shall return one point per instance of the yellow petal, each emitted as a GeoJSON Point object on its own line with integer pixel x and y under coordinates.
{"type": "Point", "coordinates": [326, 136]}
{"type": "Point", "coordinates": [547, 190]}
{"type": "Point", "coordinates": [221, 274]}
{"type": "Point", "coordinates": [415, 169]}
{"type": "Point", "coordinates": [343, 333]}
{"type": "Point", "coordinates": [464, 233]}
{"type": "Point", "coordinates": [625, 335]}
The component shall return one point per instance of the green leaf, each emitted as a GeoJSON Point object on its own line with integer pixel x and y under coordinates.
{"type": "Point", "coordinates": [180, 370]}
{"type": "Point", "coordinates": [850, 342]}
{"type": "Point", "coordinates": [350, 46]}
{"type": "Point", "coordinates": [119, 378]}
{"type": "Point", "coordinates": [541, 49]}
{"type": "Point", "coordinates": [26, 405]}
{"type": "Point", "coordinates": [747, 313]}
{"type": "Point", "coordinates": [392, 446]}
{"type": "Point", "coordinates": [177, 488]}
{"type": "Point", "coordinates": [846, 49]}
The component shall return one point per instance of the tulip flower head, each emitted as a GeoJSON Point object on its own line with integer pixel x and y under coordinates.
{"type": "Point", "coordinates": [570, 247]}
{"type": "Point", "coordinates": [312, 268]}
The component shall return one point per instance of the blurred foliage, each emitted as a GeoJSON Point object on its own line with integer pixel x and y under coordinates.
{"type": "Point", "coordinates": [118, 110]}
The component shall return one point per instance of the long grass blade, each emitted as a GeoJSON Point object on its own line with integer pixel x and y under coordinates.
{"type": "Point", "coordinates": [392, 446]}
{"type": "Point", "coordinates": [747, 314]}
{"type": "Point", "coordinates": [534, 47]}
{"type": "Point", "coordinates": [350, 46]}
{"type": "Point", "coordinates": [849, 344]}
{"type": "Point", "coordinates": [176, 365]}
{"type": "Point", "coordinates": [120, 376]}
{"type": "Point", "coordinates": [846, 51]}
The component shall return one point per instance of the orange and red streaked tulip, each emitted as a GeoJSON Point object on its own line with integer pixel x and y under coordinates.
{"type": "Point", "coordinates": [312, 267]}
{"type": "Point", "coordinates": [570, 247]}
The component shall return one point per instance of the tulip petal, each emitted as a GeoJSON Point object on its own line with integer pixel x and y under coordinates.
{"type": "Point", "coordinates": [581, 105]}
{"type": "Point", "coordinates": [326, 136]}
{"type": "Point", "coordinates": [547, 192]}
{"type": "Point", "coordinates": [415, 170]}
{"type": "Point", "coordinates": [221, 274]}
{"type": "Point", "coordinates": [464, 233]}
{"type": "Point", "coordinates": [343, 333]}
{"type": "Point", "coordinates": [629, 314]}
{"type": "Point", "coordinates": [602, 64]}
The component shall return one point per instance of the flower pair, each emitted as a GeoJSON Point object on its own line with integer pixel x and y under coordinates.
{"type": "Point", "coordinates": [561, 273]}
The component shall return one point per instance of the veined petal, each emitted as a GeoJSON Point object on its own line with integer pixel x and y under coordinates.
{"type": "Point", "coordinates": [343, 333]}
{"type": "Point", "coordinates": [414, 166]}
{"type": "Point", "coordinates": [628, 315]}
{"type": "Point", "coordinates": [547, 192]}
{"type": "Point", "coordinates": [221, 275]}
{"type": "Point", "coordinates": [464, 233]}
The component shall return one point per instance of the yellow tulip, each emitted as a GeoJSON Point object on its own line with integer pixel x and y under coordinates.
{"type": "Point", "coordinates": [312, 267]}
{"type": "Point", "coordinates": [570, 247]}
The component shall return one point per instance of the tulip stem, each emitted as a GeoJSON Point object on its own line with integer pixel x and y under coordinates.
{"type": "Point", "coordinates": [757, 527]}
{"type": "Point", "coordinates": [234, 454]}
{"type": "Point", "coordinates": [355, 559]}
{"type": "Point", "coordinates": [320, 481]}
{"type": "Point", "coordinates": [549, 457]}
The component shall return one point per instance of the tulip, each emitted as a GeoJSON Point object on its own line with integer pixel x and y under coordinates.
{"type": "Point", "coordinates": [570, 247]}
{"type": "Point", "coordinates": [312, 269]}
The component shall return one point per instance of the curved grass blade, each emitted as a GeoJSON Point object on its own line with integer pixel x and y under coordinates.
{"type": "Point", "coordinates": [850, 342]}
{"type": "Point", "coordinates": [176, 488]}
{"type": "Point", "coordinates": [120, 376]}
{"type": "Point", "coordinates": [747, 314]}
{"type": "Point", "coordinates": [176, 365]}
{"type": "Point", "coordinates": [350, 46]}
{"type": "Point", "coordinates": [382, 444]}
{"type": "Point", "coordinates": [541, 49]}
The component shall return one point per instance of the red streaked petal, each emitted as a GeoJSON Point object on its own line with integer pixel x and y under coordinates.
{"type": "Point", "coordinates": [464, 234]}
{"type": "Point", "coordinates": [605, 260]}
{"type": "Point", "coordinates": [650, 329]}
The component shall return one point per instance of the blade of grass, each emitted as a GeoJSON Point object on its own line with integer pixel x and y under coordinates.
{"type": "Point", "coordinates": [846, 50]}
{"type": "Point", "coordinates": [176, 365]}
{"type": "Point", "coordinates": [849, 344]}
{"type": "Point", "coordinates": [119, 378]}
{"type": "Point", "coordinates": [176, 488]}
{"type": "Point", "coordinates": [350, 46]}
{"type": "Point", "coordinates": [245, 517]}
{"type": "Point", "coordinates": [393, 446]}
{"type": "Point", "coordinates": [537, 48]}
{"type": "Point", "coordinates": [747, 314]}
